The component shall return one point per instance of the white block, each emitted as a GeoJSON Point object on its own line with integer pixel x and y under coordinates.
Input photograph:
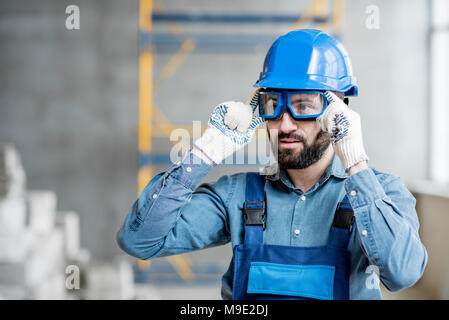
{"type": "Point", "coordinates": [46, 257]}
{"type": "Point", "coordinates": [147, 292]}
{"type": "Point", "coordinates": [126, 280]}
{"type": "Point", "coordinates": [101, 282]}
{"type": "Point", "coordinates": [13, 274]}
{"type": "Point", "coordinates": [70, 223]}
{"type": "Point", "coordinates": [43, 259]}
{"type": "Point", "coordinates": [12, 175]}
{"type": "Point", "coordinates": [41, 210]}
{"type": "Point", "coordinates": [12, 216]}
{"type": "Point", "coordinates": [14, 248]}
{"type": "Point", "coordinates": [83, 257]}
{"type": "Point", "coordinates": [110, 281]}
{"type": "Point", "coordinates": [52, 288]}
{"type": "Point", "coordinates": [12, 292]}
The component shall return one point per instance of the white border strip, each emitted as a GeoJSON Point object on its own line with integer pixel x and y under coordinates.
{"type": "Point", "coordinates": [439, 92]}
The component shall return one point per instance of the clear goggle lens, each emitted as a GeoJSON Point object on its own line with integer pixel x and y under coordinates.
{"type": "Point", "coordinates": [301, 105]}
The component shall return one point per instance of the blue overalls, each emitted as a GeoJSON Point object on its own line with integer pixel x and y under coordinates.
{"type": "Point", "coordinates": [285, 272]}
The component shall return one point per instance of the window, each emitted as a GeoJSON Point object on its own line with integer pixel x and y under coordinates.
{"type": "Point", "coordinates": [439, 92]}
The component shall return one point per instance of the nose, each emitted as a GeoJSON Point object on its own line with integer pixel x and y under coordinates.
{"type": "Point", "coordinates": [288, 124]}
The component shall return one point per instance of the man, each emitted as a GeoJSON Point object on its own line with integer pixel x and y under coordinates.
{"type": "Point", "coordinates": [324, 226]}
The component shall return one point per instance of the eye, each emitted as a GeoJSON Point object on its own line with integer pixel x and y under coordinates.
{"type": "Point", "coordinates": [302, 107]}
{"type": "Point", "coordinates": [305, 107]}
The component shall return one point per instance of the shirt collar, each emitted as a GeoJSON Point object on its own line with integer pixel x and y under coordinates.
{"type": "Point", "coordinates": [335, 169]}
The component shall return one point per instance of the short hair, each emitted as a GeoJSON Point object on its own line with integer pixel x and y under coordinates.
{"type": "Point", "coordinates": [341, 95]}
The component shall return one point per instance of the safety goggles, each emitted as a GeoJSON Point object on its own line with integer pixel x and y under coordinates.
{"type": "Point", "coordinates": [302, 105]}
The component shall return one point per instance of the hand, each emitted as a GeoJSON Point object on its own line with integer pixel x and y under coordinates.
{"type": "Point", "coordinates": [346, 131]}
{"type": "Point", "coordinates": [230, 127]}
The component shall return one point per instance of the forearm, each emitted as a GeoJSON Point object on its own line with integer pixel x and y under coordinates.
{"type": "Point", "coordinates": [387, 227]}
{"type": "Point", "coordinates": [153, 225]}
{"type": "Point", "coordinates": [156, 211]}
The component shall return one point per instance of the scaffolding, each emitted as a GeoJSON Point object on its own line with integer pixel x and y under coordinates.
{"type": "Point", "coordinates": [326, 15]}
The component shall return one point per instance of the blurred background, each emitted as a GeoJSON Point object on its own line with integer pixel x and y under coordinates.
{"type": "Point", "coordinates": [90, 92]}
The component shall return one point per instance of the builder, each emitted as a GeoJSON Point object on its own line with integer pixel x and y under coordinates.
{"type": "Point", "coordinates": [315, 228]}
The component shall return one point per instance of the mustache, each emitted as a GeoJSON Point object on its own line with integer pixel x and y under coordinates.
{"type": "Point", "coordinates": [291, 135]}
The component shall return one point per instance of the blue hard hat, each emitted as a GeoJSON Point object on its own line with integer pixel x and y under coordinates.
{"type": "Point", "coordinates": [308, 59]}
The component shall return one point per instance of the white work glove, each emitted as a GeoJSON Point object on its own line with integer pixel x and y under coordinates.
{"type": "Point", "coordinates": [346, 131]}
{"type": "Point", "coordinates": [231, 126]}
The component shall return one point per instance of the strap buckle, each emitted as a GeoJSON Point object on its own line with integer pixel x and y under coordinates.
{"type": "Point", "coordinates": [254, 213]}
{"type": "Point", "coordinates": [344, 217]}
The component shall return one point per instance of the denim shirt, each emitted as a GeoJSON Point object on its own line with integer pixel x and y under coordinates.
{"type": "Point", "coordinates": [175, 214]}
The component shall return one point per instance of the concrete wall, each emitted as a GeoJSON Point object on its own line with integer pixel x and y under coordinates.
{"type": "Point", "coordinates": [391, 65]}
{"type": "Point", "coordinates": [433, 212]}
{"type": "Point", "coordinates": [68, 101]}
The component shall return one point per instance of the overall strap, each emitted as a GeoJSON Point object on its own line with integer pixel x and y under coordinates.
{"type": "Point", "coordinates": [342, 225]}
{"type": "Point", "coordinates": [254, 208]}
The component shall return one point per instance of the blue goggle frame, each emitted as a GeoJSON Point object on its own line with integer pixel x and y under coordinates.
{"type": "Point", "coordinates": [284, 105]}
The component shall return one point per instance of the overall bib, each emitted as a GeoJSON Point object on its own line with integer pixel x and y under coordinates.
{"type": "Point", "coordinates": [285, 272]}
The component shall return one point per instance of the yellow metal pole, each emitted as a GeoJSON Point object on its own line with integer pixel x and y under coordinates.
{"type": "Point", "coordinates": [146, 109]}
{"type": "Point", "coordinates": [144, 143]}
{"type": "Point", "coordinates": [145, 116]}
{"type": "Point", "coordinates": [320, 10]}
{"type": "Point", "coordinates": [337, 17]}
{"type": "Point", "coordinates": [145, 94]}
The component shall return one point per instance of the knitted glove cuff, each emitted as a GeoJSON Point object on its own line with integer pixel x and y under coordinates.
{"type": "Point", "coordinates": [351, 151]}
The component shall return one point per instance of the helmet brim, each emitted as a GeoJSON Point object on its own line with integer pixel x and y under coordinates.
{"type": "Point", "coordinates": [344, 85]}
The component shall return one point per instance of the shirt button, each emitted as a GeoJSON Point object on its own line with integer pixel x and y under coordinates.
{"type": "Point", "coordinates": [364, 233]}
{"type": "Point", "coordinates": [297, 231]}
{"type": "Point", "coordinates": [303, 197]}
{"type": "Point", "coordinates": [188, 169]}
{"type": "Point", "coordinates": [154, 196]}
{"type": "Point", "coordinates": [353, 193]}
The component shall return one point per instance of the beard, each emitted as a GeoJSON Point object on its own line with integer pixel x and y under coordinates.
{"type": "Point", "coordinates": [310, 153]}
